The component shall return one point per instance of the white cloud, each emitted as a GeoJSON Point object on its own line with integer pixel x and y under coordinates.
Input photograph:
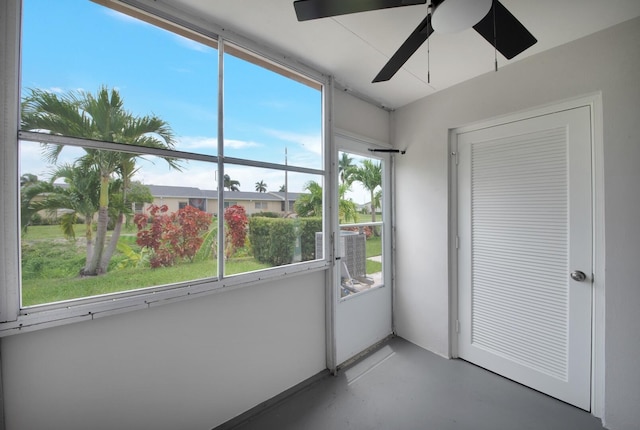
{"type": "Point", "coordinates": [192, 45]}
{"type": "Point", "coordinates": [240, 144]}
{"type": "Point", "coordinates": [124, 17]}
{"type": "Point", "coordinates": [32, 160]}
{"type": "Point", "coordinates": [310, 142]}
{"type": "Point", "coordinates": [188, 143]}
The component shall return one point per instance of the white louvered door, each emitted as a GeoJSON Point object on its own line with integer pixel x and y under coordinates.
{"type": "Point", "coordinates": [524, 224]}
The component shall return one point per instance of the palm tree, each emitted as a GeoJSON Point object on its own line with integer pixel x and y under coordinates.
{"type": "Point", "coordinates": [28, 179]}
{"type": "Point", "coordinates": [261, 187]}
{"type": "Point", "coordinates": [310, 203]}
{"type": "Point", "coordinates": [30, 188]}
{"type": "Point", "coordinates": [231, 184]}
{"type": "Point", "coordinates": [346, 208]}
{"type": "Point", "coordinates": [99, 117]}
{"type": "Point", "coordinates": [369, 174]}
{"type": "Point", "coordinates": [79, 198]}
{"type": "Point", "coordinates": [345, 168]}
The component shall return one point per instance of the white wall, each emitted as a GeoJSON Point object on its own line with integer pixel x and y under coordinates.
{"type": "Point", "coordinates": [359, 117]}
{"type": "Point", "coordinates": [609, 62]}
{"type": "Point", "coordinates": [188, 365]}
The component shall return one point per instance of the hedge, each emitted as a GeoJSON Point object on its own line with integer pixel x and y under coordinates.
{"type": "Point", "coordinates": [273, 239]}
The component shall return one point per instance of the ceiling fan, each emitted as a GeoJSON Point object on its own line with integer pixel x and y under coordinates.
{"type": "Point", "coordinates": [488, 17]}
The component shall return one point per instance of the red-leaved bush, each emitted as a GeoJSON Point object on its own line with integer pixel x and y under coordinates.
{"type": "Point", "coordinates": [236, 232]}
{"type": "Point", "coordinates": [171, 236]}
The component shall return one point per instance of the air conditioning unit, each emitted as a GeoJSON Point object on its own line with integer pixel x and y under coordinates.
{"type": "Point", "coordinates": [352, 252]}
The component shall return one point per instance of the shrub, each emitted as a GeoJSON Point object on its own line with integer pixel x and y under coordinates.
{"type": "Point", "coordinates": [266, 214]}
{"type": "Point", "coordinates": [308, 228]}
{"type": "Point", "coordinates": [171, 236]}
{"type": "Point", "coordinates": [283, 236]}
{"type": "Point", "coordinates": [236, 232]}
{"type": "Point", "coordinates": [272, 239]}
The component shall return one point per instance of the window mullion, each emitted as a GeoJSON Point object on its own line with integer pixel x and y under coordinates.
{"type": "Point", "coordinates": [220, 158]}
{"type": "Point", "coordinates": [9, 99]}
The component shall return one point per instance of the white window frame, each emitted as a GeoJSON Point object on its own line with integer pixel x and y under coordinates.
{"type": "Point", "coordinates": [13, 318]}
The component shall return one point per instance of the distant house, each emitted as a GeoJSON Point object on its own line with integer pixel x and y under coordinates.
{"type": "Point", "coordinates": [176, 197]}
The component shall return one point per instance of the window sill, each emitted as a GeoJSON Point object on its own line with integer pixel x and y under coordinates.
{"type": "Point", "coordinates": [51, 315]}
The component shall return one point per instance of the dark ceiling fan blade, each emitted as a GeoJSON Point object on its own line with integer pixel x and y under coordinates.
{"type": "Point", "coordinates": [511, 37]}
{"type": "Point", "coordinates": [313, 9]}
{"type": "Point", "coordinates": [411, 45]}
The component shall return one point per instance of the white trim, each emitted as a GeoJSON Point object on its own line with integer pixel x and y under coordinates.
{"type": "Point", "coordinates": [594, 102]}
{"type": "Point", "coordinates": [354, 137]}
{"type": "Point", "coordinates": [330, 225]}
{"type": "Point", "coordinates": [598, 328]}
{"type": "Point", "coordinates": [354, 143]}
{"type": "Point", "coordinates": [9, 100]}
{"type": "Point", "coordinates": [453, 243]}
{"type": "Point", "coordinates": [98, 306]}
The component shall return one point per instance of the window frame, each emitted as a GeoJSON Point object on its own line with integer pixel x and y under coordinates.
{"type": "Point", "coordinates": [14, 318]}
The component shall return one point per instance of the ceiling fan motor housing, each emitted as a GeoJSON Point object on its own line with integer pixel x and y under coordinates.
{"type": "Point", "coordinates": [451, 16]}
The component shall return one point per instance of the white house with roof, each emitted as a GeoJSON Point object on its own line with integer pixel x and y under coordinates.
{"type": "Point", "coordinates": [177, 197]}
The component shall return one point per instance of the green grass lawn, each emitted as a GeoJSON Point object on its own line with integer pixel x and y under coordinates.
{"type": "Point", "coordinates": [51, 264]}
{"type": "Point", "coordinates": [47, 290]}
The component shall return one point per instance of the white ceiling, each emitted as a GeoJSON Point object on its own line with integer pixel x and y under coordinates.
{"type": "Point", "coordinates": [353, 48]}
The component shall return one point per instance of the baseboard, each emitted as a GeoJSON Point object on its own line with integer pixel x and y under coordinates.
{"type": "Point", "coordinates": [272, 402]}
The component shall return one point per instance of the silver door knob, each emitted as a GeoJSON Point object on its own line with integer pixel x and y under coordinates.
{"type": "Point", "coordinates": [578, 275]}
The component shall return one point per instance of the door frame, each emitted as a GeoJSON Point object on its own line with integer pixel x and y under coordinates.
{"type": "Point", "coordinates": [594, 102]}
{"type": "Point", "coordinates": [360, 145]}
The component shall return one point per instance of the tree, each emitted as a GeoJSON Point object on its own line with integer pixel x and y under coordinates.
{"type": "Point", "coordinates": [100, 117]}
{"type": "Point", "coordinates": [369, 174]}
{"type": "Point", "coordinates": [282, 189]}
{"type": "Point", "coordinates": [345, 168]}
{"type": "Point", "coordinates": [310, 204]}
{"type": "Point", "coordinates": [28, 179]}
{"type": "Point", "coordinates": [80, 198]}
{"type": "Point", "coordinates": [261, 187]}
{"type": "Point", "coordinates": [231, 184]}
{"type": "Point", "coordinates": [30, 188]}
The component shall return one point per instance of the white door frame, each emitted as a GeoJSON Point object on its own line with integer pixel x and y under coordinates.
{"type": "Point", "coordinates": [594, 102]}
{"type": "Point", "coordinates": [347, 141]}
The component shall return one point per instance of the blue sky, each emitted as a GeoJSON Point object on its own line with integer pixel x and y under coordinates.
{"type": "Point", "coordinates": [79, 45]}
{"type": "Point", "coordinates": [171, 76]}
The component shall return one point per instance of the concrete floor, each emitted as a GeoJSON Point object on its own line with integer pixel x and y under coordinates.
{"type": "Point", "coordinates": [402, 386]}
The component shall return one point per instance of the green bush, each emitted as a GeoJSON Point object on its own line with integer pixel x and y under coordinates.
{"type": "Point", "coordinates": [308, 227]}
{"type": "Point", "coordinates": [272, 239]}
{"type": "Point", "coordinates": [266, 214]}
{"type": "Point", "coordinates": [259, 237]}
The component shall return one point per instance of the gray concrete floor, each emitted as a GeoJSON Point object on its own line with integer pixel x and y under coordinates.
{"type": "Point", "coordinates": [402, 386]}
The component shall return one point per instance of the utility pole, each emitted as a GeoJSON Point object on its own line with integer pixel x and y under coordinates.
{"type": "Point", "coordinates": [286, 185]}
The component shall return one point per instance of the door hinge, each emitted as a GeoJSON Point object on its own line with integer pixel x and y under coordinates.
{"type": "Point", "coordinates": [457, 242]}
{"type": "Point", "coordinates": [457, 326]}
{"type": "Point", "coordinates": [455, 157]}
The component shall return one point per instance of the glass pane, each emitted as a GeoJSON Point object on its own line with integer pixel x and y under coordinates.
{"type": "Point", "coordinates": [270, 117]}
{"type": "Point", "coordinates": [167, 82]}
{"type": "Point", "coordinates": [96, 222]}
{"type": "Point", "coordinates": [261, 231]}
{"type": "Point", "coordinates": [361, 223]}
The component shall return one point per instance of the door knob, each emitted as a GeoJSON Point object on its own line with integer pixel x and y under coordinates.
{"type": "Point", "coordinates": [578, 275]}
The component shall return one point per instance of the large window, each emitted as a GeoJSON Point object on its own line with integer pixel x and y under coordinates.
{"type": "Point", "coordinates": [129, 181]}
